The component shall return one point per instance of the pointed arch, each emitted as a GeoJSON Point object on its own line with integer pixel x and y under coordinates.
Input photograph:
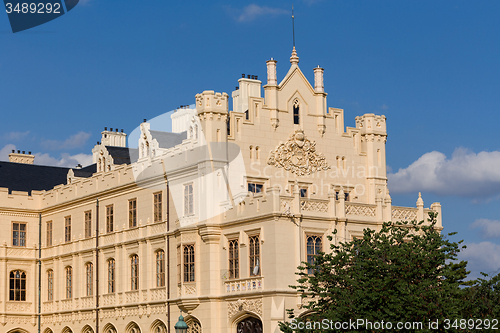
{"type": "Point", "coordinates": [133, 327]}
{"type": "Point", "coordinates": [18, 330]}
{"type": "Point", "coordinates": [87, 329]}
{"type": "Point", "coordinates": [158, 326]}
{"type": "Point", "coordinates": [67, 329]}
{"type": "Point", "coordinates": [246, 319]}
{"type": "Point", "coordinates": [109, 328]}
{"type": "Point", "coordinates": [48, 330]}
{"type": "Point", "coordinates": [194, 325]}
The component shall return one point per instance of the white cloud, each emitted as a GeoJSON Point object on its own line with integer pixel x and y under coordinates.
{"type": "Point", "coordinates": [75, 141]}
{"type": "Point", "coordinates": [384, 107]}
{"type": "Point", "coordinates": [489, 228]}
{"type": "Point", "coordinates": [481, 257]}
{"type": "Point", "coordinates": [66, 160]}
{"type": "Point", "coordinates": [5, 151]}
{"type": "Point", "coordinates": [252, 11]}
{"type": "Point", "coordinates": [465, 174]}
{"type": "Point", "coordinates": [16, 136]}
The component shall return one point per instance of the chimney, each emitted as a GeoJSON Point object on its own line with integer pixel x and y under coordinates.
{"type": "Point", "coordinates": [271, 72]}
{"type": "Point", "coordinates": [318, 79]}
{"type": "Point", "coordinates": [21, 158]}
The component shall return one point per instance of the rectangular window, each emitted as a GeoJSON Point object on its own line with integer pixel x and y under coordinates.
{"type": "Point", "coordinates": [18, 234]}
{"type": "Point", "coordinates": [234, 264]}
{"type": "Point", "coordinates": [158, 200]}
{"type": "Point", "coordinates": [179, 263]}
{"type": "Point", "coordinates": [188, 200]}
{"type": "Point", "coordinates": [67, 229]}
{"type": "Point", "coordinates": [89, 274]}
{"type": "Point", "coordinates": [255, 187]}
{"type": "Point", "coordinates": [160, 268]}
{"type": "Point", "coordinates": [346, 196]}
{"type": "Point", "coordinates": [69, 282]}
{"type": "Point", "coordinates": [314, 245]}
{"type": "Point", "coordinates": [132, 213]}
{"type": "Point", "coordinates": [254, 255]}
{"type": "Point", "coordinates": [303, 192]}
{"type": "Point", "coordinates": [50, 285]}
{"type": "Point", "coordinates": [111, 276]}
{"type": "Point", "coordinates": [189, 263]}
{"type": "Point", "coordinates": [88, 224]}
{"type": "Point", "coordinates": [109, 218]}
{"type": "Point", "coordinates": [49, 233]}
{"type": "Point", "coordinates": [134, 272]}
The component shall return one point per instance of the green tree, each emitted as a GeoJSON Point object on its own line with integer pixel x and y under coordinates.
{"type": "Point", "coordinates": [405, 272]}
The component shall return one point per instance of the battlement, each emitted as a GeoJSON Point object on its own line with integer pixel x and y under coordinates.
{"type": "Point", "coordinates": [371, 124]}
{"type": "Point", "coordinates": [212, 102]}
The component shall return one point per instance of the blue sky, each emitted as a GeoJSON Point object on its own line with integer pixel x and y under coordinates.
{"type": "Point", "coordinates": [430, 66]}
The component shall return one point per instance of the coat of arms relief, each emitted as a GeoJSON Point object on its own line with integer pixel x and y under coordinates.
{"type": "Point", "coordinates": [298, 155]}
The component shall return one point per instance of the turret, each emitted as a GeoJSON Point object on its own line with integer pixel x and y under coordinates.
{"type": "Point", "coordinates": [212, 109]}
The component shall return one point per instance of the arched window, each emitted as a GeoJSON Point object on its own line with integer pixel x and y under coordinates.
{"type": "Point", "coordinates": [234, 265]}
{"type": "Point", "coordinates": [257, 149]}
{"type": "Point", "coordinates": [50, 285]}
{"type": "Point", "coordinates": [194, 326]}
{"type": "Point", "coordinates": [254, 245]}
{"type": "Point", "coordinates": [296, 117]}
{"type": "Point", "coordinates": [313, 247]}
{"type": "Point", "coordinates": [111, 276]}
{"type": "Point", "coordinates": [249, 325]}
{"type": "Point", "coordinates": [17, 286]}
{"type": "Point", "coordinates": [189, 263]}
{"type": "Point", "coordinates": [134, 272]}
{"type": "Point", "coordinates": [69, 282]}
{"type": "Point", "coordinates": [160, 268]}
{"type": "Point", "coordinates": [88, 277]}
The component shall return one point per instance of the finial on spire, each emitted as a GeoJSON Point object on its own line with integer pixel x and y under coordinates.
{"type": "Point", "coordinates": [294, 59]}
{"type": "Point", "coordinates": [293, 27]}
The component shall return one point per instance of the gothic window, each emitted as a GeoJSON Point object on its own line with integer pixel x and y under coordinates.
{"type": "Point", "coordinates": [194, 326]}
{"type": "Point", "coordinates": [88, 278]}
{"type": "Point", "coordinates": [314, 245]}
{"type": "Point", "coordinates": [49, 233]}
{"type": "Point", "coordinates": [189, 263]}
{"type": "Point", "coordinates": [50, 285]}
{"type": "Point", "coordinates": [254, 255]}
{"type": "Point", "coordinates": [134, 272]}
{"type": "Point", "coordinates": [249, 325]}
{"type": "Point", "coordinates": [69, 282]}
{"type": "Point", "coordinates": [296, 116]}
{"type": "Point", "coordinates": [18, 234]}
{"type": "Point", "coordinates": [111, 276]}
{"type": "Point", "coordinates": [234, 265]}
{"type": "Point", "coordinates": [17, 286]}
{"type": "Point", "coordinates": [160, 268]}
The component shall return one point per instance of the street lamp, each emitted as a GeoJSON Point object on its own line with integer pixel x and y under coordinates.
{"type": "Point", "coordinates": [181, 326]}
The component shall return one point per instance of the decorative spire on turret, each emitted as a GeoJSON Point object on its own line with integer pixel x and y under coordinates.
{"type": "Point", "coordinates": [294, 59]}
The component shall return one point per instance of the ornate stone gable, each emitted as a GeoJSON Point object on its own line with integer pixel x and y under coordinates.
{"type": "Point", "coordinates": [298, 155]}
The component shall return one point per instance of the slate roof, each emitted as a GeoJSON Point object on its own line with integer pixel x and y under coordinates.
{"type": "Point", "coordinates": [123, 155]}
{"type": "Point", "coordinates": [167, 139]}
{"type": "Point", "coordinates": [29, 177]}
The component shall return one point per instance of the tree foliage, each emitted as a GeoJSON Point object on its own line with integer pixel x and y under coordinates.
{"type": "Point", "coordinates": [405, 272]}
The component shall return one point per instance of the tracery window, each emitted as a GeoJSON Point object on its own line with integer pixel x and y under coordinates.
{"type": "Point", "coordinates": [134, 272]}
{"type": "Point", "coordinates": [314, 245]}
{"type": "Point", "coordinates": [160, 268]}
{"type": "Point", "coordinates": [88, 278]}
{"type": "Point", "coordinates": [69, 282]}
{"type": "Point", "coordinates": [50, 285]}
{"type": "Point", "coordinates": [17, 286]}
{"type": "Point", "coordinates": [189, 263]}
{"type": "Point", "coordinates": [254, 255]}
{"type": "Point", "coordinates": [234, 265]}
{"type": "Point", "coordinates": [111, 276]}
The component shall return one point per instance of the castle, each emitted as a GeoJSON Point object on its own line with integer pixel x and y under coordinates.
{"type": "Point", "coordinates": [211, 219]}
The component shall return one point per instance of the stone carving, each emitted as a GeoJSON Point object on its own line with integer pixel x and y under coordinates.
{"type": "Point", "coordinates": [360, 210]}
{"type": "Point", "coordinates": [403, 214]}
{"type": "Point", "coordinates": [314, 206]}
{"type": "Point", "coordinates": [252, 305]}
{"type": "Point", "coordinates": [298, 155]}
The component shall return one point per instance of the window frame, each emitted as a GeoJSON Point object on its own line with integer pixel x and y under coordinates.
{"type": "Point", "coordinates": [132, 213]}
{"type": "Point", "coordinates": [310, 257]}
{"type": "Point", "coordinates": [109, 218]}
{"type": "Point", "coordinates": [189, 268]}
{"type": "Point", "coordinates": [48, 233]}
{"type": "Point", "coordinates": [296, 112]}
{"type": "Point", "coordinates": [134, 272]}
{"type": "Point", "coordinates": [257, 187]}
{"type": "Point", "coordinates": [254, 259]}
{"type": "Point", "coordinates": [233, 247]}
{"type": "Point", "coordinates": [67, 229]}
{"type": "Point", "coordinates": [88, 223]}
{"type": "Point", "coordinates": [188, 199]}
{"type": "Point", "coordinates": [157, 207]}
{"type": "Point", "coordinates": [69, 282]}
{"type": "Point", "coordinates": [111, 275]}
{"type": "Point", "coordinates": [160, 268]}
{"type": "Point", "coordinates": [50, 285]}
{"type": "Point", "coordinates": [89, 276]}
{"type": "Point", "coordinates": [21, 241]}
{"type": "Point", "coordinates": [16, 291]}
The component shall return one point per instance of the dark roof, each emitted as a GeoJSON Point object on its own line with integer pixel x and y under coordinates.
{"type": "Point", "coordinates": [122, 155]}
{"type": "Point", "coordinates": [29, 177]}
{"type": "Point", "coordinates": [167, 139]}
{"type": "Point", "coordinates": [86, 172]}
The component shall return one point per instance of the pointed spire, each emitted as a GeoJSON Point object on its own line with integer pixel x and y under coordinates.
{"type": "Point", "coordinates": [294, 59]}
{"type": "Point", "coordinates": [420, 201]}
